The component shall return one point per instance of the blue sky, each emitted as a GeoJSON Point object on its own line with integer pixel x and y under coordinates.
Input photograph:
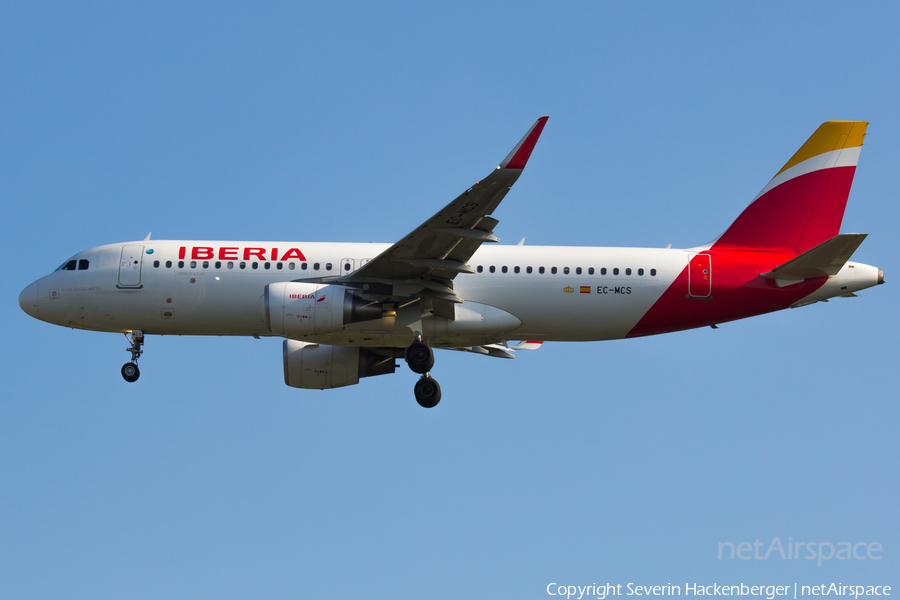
{"type": "Point", "coordinates": [581, 463]}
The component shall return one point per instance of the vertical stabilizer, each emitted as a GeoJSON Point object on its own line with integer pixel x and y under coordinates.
{"type": "Point", "coordinates": [803, 205]}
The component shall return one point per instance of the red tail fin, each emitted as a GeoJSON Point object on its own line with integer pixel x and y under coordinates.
{"type": "Point", "coordinates": [804, 203]}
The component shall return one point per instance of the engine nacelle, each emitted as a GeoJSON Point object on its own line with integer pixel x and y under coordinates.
{"type": "Point", "coordinates": [296, 310]}
{"type": "Point", "coordinates": [321, 367]}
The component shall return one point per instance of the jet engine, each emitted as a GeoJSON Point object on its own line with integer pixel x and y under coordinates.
{"type": "Point", "coordinates": [295, 310]}
{"type": "Point", "coordinates": [321, 367]}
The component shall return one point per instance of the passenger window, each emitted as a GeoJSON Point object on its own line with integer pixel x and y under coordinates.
{"type": "Point", "coordinates": [480, 269]}
{"type": "Point", "coordinates": [279, 266]}
{"type": "Point", "coordinates": [616, 271]}
{"type": "Point", "coordinates": [327, 266]}
{"type": "Point", "coordinates": [83, 265]}
{"type": "Point", "coordinates": [230, 265]}
{"type": "Point", "coordinates": [492, 269]}
{"type": "Point", "coordinates": [578, 271]}
{"type": "Point", "coordinates": [155, 264]}
{"type": "Point", "coordinates": [528, 270]}
{"type": "Point", "coordinates": [504, 269]}
{"type": "Point", "coordinates": [205, 264]}
{"type": "Point", "coordinates": [243, 265]}
{"type": "Point", "coordinates": [566, 270]}
{"type": "Point", "coordinates": [303, 266]}
{"type": "Point", "coordinates": [553, 270]}
{"type": "Point", "coordinates": [316, 267]}
{"type": "Point", "coordinates": [516, 269]}
{"type": "Point", "coordinates": [218, 265]}
{"type": "Point", "coordinates": [628, 271]}
{"type": "Point", "coordinates": [291, 266]}
{"type": "Point", "coordinates": [255, 265]}
{"type": "Point", "coordinates": [653, 272]}
{"type": "Point", "coordinates": [168, 264]}
{"type": "Point", "coordinates": [591, 271]}
{"type": "Point", "coordinates": [347, 267]}
{"type": "Point", "coordinates": [640, 271]}
{"type": "Point", "coordinates": [180, 264]}
{"type": "Point", "coordinates": [541, 270]}
{"type": "Point", "coordinates": [193, 264]}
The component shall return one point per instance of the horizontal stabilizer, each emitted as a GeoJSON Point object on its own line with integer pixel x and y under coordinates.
{"type": "Point", "coordinates": [824, 260]}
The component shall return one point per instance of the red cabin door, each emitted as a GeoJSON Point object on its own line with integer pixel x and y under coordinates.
{"type": "Point", "coordinates": [700, 276]}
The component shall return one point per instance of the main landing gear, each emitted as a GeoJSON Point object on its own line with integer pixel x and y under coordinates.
{"type": "Point", "coordinates": [420, 358]}
{"type": "Point", "coordinates": [130, 371]}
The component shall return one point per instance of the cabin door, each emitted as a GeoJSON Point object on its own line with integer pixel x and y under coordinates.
{"type": "Point", "coordinates": [130, 267]}
{"type": "Point", "coordinates": [700, 276]}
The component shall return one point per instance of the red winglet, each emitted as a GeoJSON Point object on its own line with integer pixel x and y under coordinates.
{"type": "Point", "coordinates": [522, 152]}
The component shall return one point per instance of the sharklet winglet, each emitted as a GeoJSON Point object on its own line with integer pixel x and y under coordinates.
{"type": "Point", "coordinates": [518, 157]}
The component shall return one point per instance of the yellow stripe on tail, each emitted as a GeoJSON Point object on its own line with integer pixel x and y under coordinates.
{"type": "Point", "coordinates": [831, 135]}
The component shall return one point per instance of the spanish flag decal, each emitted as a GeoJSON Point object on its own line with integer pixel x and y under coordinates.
{"type": "Point", "coordinates": [585, 289]}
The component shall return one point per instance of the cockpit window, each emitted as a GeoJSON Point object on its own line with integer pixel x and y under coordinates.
{"type": "Point", "coordinates": [83, 265]}
{"type": "Point", "coordinates": [68, 266]}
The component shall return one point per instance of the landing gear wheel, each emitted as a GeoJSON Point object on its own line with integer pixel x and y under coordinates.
{"type": "Point", "coordinates": [428, 392]}
{"type": "Point", "coordinates": [130, 372]}
{"type": "Point", "coordinates": [420, 357]}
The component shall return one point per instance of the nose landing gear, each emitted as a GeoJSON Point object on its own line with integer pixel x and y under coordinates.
{"type": "Point", "coordinates": [130, 371]}
{"type": "Point", "coordinates": [420, 358]}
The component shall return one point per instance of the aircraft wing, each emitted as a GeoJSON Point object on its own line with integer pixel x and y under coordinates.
{"type": "Point", "coordinates": [503, 350]}
{"type": "Point", "coordinates": [439, 248]}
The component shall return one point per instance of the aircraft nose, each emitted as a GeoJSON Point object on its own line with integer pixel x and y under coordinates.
{"type": "Point", "coordinates": [28, 300]}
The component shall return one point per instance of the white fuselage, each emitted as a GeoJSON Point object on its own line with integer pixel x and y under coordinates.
{"type": "Point", "coordinates": [214, 288]}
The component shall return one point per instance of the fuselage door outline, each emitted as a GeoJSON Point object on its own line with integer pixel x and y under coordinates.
{"type": "Point", "coordinates": [130, 267]}
{"type": "Point", "coordinates": [700, 276]}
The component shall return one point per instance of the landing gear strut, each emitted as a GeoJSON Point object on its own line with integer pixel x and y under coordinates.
{"type": "Point", "coordinates": [420, 358]}
{"type": "Point", "coordinates": [130, 371]}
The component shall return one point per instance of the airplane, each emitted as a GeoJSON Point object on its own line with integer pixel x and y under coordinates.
{"type": "Point", "coordinates": [348, 311]}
